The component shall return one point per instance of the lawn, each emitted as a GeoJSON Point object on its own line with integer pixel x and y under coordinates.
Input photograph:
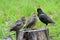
{"type": "Point", "coordinates": [12, 10]}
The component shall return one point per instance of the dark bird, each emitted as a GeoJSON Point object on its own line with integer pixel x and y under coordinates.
{"type": "Point", "coordinates": [18, 24]}
{"type": "Point", "coordinates": [32, 21]}
{"type": "Point", "coordinates": [43, 17]}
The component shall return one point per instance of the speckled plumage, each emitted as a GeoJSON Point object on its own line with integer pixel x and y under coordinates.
{"type": "Point", "coordinates": [32, 21]}
{"type": "Point", "coordinates": [18, 24]}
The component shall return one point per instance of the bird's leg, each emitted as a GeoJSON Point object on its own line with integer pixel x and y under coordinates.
{"type": "Point", "coordinates": [46, 26]}
{"type": "Point", "coordinates": [31, 28]}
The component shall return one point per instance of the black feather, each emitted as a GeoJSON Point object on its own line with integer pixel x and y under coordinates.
{"type": "Point", "coordinates": [43, 17]}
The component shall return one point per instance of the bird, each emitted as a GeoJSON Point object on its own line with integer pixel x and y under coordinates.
{"type": "Point", "coordinates": [18, 24]}
{"type": "Point", "coordinates": [43, 17]}
{"type": "Point", "coordinates": [32, 21]}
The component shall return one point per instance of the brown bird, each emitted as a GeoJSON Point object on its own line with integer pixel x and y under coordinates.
{"type": "Point", "coordinates": [18, 24]}
{"type": "Point", "coordinates": [32, 21]}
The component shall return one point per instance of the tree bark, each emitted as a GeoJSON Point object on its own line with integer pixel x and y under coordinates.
{"type": "Point", "coordinates": [37, 34]}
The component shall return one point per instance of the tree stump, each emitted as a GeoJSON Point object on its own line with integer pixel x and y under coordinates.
{"type": "Point", "coordinates": [37, 34]}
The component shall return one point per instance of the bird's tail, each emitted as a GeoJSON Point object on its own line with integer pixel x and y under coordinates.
{"type": "Point", "coordinates": [53, 23]}
{"type": "Point", "coordinates": [10, 30]}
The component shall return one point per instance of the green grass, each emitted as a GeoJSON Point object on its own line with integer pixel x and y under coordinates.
{"type": "Point", "coordinates": [12, 10]}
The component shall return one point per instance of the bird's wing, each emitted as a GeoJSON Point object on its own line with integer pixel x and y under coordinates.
{"type": "Point", "coordinates": [49, 19]}
{"type": "Point", "coordinates": [17, 23]}
{"type": "Point", "coordinates": [29, 21]}
{"type": "Point", "coordinates": [45, 17]}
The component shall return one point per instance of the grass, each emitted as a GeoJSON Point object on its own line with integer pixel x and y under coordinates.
{"type": "Point", "coordinates": [12, 10]}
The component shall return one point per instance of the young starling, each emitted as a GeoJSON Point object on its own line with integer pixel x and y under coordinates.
{"type": "Point", "coordinates": [18, 24]}
{"type": "Point", "coordinates": [32, 21]}
{"type": "Point", "coordinates": [43, 17]}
